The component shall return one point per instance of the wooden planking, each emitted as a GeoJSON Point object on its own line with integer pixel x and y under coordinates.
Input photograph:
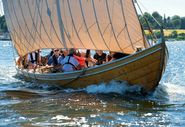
{"type": "Point", "coordinates": [125, 73]}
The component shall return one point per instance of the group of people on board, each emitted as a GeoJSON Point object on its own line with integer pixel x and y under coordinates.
{"type": "Point", "coordinates": [62, 60]}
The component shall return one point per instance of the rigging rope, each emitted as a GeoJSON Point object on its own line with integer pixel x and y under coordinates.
{"type": "Point", "coordinates": [154, 38]}
{"type": "Point", "coordinates": [147, 11]}
{"type": "Point", "coordinates": [160, 25]}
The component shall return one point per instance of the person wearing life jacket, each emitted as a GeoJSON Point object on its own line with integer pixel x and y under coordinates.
{"type": "Point", "coordinates": [70, 63]}
{"type": "Point", "coordinates": [33, 59]}
{"type": "Point", "coordinates": [80, 57]}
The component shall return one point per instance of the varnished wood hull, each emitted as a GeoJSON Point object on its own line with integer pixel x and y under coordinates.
{"type": "Point", "coordinates": [144, 68]}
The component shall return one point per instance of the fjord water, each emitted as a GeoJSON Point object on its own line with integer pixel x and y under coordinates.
{"type": "Point", "coordinates": [34, 104]}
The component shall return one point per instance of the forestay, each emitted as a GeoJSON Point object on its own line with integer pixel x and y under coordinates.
{"type": "Point", "coordinates": [86, 24]}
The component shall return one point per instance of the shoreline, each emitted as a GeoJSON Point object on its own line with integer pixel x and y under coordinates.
{"type": "Point", "coordinates": [5, 40]}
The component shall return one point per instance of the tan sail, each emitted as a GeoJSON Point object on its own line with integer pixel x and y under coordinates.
{"type": "Point", "coordinates": [87, 24]}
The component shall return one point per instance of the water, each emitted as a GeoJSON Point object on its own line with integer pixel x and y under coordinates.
{"type": "Point", "coordinates": [32, 104]}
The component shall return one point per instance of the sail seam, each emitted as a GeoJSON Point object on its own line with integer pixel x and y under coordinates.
{"type": "Point", "coordinates": [41, 21]}
{"type": "Point", "coordinates": [69, 6]}
{"type": "Point", "coordinates": [108, 12]}
{"type": "Point", "coordinates": [83, 16]}
{"type": "Point", "coordinates": [126, 24]}
{"type": "Point", "coordinates": [96, 18]}
{"type": "Point", "coordinates": [121, 31]}
{"type": "Point", "coordinates": [14, 30]}
{"type": "Point", "coordinates": [34, 25]}
{"type": "Point", "coordinates": [133, 43]}
{"type": "Point", "coordinates": [67, 28]}
{"type": "Point", "coordinates": [25, 22]}
{"type": "Point", "coordinates": [61, 23]}
{"type": "Point", "coordinates": [53, 24]}
{"type": "Point", "coordinates": [20, 27]}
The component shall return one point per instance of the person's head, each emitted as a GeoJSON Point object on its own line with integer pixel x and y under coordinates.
{"type": "Point", "coordinates": [111, 53]}
{"type": "Point", "coordinates": [72, 51]}
{"type": "Point", "coordinates": [56, 52]}
{"type": "Point", "coordinates": [88, 53]}
{"type": "Point", "coordinates": [99, 52]}
{"type": "Point", "coordinates": [39, 51]}
{"type": "Point", "coordinates": [83, 53]}
{"type": "Point", "coordinates": [65, 52]}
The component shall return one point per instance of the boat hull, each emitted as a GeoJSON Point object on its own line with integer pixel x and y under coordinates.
{"type": "Point", "coordinates": [143, 68]}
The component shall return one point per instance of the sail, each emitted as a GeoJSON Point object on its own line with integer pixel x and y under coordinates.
{"type": "Point", "coordinates": [86, 24]}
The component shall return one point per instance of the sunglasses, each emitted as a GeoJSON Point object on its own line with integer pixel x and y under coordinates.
{"type": "Point", "coordinates": [56, 50]}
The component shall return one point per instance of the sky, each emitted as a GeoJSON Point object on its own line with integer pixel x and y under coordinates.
{"type": "Point", "coordinates": [167, 7]}
{"type": "Point", "coordinates": [1, 8]}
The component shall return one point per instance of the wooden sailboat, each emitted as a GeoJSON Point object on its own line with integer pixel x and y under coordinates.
{"type": "Point", "coordinates": [110, 25]}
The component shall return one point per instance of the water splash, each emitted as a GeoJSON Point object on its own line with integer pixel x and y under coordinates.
{"type": "Point", "coordinates": [169, 92]}
{"type": "Point", "coordinates": [113, 87]}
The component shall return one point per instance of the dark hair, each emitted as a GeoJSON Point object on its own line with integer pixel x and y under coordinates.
{"type": "Point", "coordinates": [87, 53]}
{"type": "Point", "coordinates": [119, 55]}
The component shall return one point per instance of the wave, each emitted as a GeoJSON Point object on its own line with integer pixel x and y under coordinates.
{"type": "Point", "coordinates": [113, 87]}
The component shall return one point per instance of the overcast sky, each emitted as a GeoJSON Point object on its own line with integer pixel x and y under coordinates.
{"type": "Point", "coordinates": [168, 7]}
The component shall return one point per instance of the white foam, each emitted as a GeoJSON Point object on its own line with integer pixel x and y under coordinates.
{"type": "Point", "coordinates": [175, 89]}
{"type": "Point", "coordinates": [170, 92]}
{"type": "Point", "coordinates": [112, 87]}
{"type": "Point", "coordinates": [61, 117]}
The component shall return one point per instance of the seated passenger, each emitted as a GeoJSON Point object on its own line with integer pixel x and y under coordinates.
{"type": "Point", "coordinates": [64, 52]}
{"type": "Point", "coordinates": [55, 60]}
{"type": "Point", "coordinates": [80, 57]}
{"type": "Point", "coordinates": [70, 63]}
{"type": "Point", "coordinates": [110, 56]}
{"type": "Point", "coordinates": [33, 59]}
{"type": "Point", "coordinates": [89, 61]}
{"type": "Point", "coordinates": [44, 60]}
{"type": "Point", "coordinates": [100, 57]}
{"type": "Point", "coordinates": [20, 62]}
{"type": "Point", "coordinates": [24, 62]}
{"type": "Point", "coordinates": [50, 54]}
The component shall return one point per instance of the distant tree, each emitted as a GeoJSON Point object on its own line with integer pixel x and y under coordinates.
{"type": "Point", "coordinates": [3, 26]}
{"type": "Point", "coordinates": [159, 18]}
{"type": "Point", "coordinates": [146, 20]}
{"type": "Point", "coordinates": [174, 34]}
{"type": "Point", "coordinates": [182, 34]}
{"type": "Point", "coordinates": [168, 23]}
{"type": "Point", "coordinates": [176, 21]}
{"type": "Point", "coordinates": [183, 23]}
{"type": "Point", "coordinates": [165, 21]}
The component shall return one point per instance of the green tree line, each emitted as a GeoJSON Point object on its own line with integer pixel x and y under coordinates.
{"type": "Point", "coordinates": [174, 22]}
{"type": "Point", "coordinates": [3, 26]}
